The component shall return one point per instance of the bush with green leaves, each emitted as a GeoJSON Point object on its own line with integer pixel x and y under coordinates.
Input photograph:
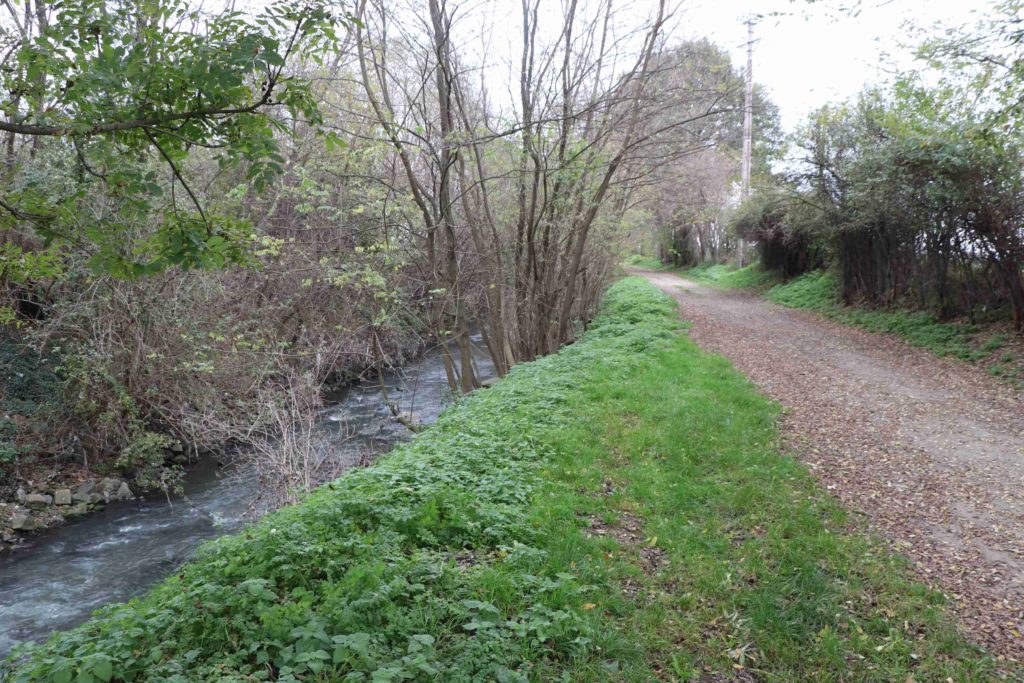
{"type": "Point", "coordinates": [119, 94]}
{"type": "Point", "coordinates": [912, 194]}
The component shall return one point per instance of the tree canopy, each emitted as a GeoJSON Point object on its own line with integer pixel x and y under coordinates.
{"type": "Point", "coordinates": [127, 90]}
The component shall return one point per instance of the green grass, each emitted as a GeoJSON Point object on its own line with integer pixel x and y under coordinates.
{"type": "Point", "coordinates": [617, 512]}
{"type": "Point", "coordinates": [725, 276]}
{"type": "Point", "coordinates": [819, 291]}
{"type": "Point", "coordinates": [647, 262]}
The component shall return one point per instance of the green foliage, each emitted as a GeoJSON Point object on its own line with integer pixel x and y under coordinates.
{"type": "Point", "coordinates": [465, 554]}
{"type": "Point", "coordinates": [184, 239]}
{"type": "Point", "coordinates": [818, 291]}
{"type": "Point", "coordinates": [144, 458]}
{"type": "Point", "coordinates": [984, 64]}
{"type": "Point", "coordinates": [113, 421]}
{"type": "Point", "coordinates": [993, 344]}
{"type": "Point", "coordinates": [648, 262]}
{"type": "Point", "coordinates": [357, 580]}
{"type": "Point", "coordinates": [125, 91]}
{"type": "Point", "coordinates": [21, 266]}
{"type": "Point", "coordinates": [787, 242]}
{"type": "Point", "coordinates": [912, 196]}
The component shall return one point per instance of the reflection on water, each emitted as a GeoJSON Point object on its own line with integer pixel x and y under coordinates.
{"type": "Point", "coordinates": [115, 554]}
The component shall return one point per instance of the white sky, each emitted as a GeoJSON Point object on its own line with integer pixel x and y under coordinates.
{"type": "Point", "coordinates": [814, 53]}
{"type": "Point", "coordinates": [807, 53]}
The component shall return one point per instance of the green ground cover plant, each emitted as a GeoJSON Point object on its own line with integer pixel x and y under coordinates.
{"type": "Point", "coordinates": [619, 511]}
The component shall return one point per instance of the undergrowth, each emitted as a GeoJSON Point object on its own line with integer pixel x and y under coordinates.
{"type": "Point", "coordinates": [619, 511]}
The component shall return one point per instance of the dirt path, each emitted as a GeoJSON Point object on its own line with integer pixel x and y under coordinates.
{"type": "Point", "coordinates": [931, 450]}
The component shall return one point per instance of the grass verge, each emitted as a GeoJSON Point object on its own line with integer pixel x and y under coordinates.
{"type": "Point", "coordinates": [818, 291]}
{"type": "Point", "coordinates": [617, 512]}
{"type": "Point", "coordinates": [728, 277]}
{"type": "Point", "coordinates": [647, 262]}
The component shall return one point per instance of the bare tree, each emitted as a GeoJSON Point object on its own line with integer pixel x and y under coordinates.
{"type": "Point", "coordinates": [506, 212]}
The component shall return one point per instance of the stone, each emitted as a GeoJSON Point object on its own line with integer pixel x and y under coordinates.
{"type": "Point", "coordinates": [489, 382]}
{"type": "Point", "coordinates": [77, 510]}
{"type": "Point", "coordinates": [108, 487]}
{"type": "Point", "coordinates": [38, 500]}
{"type": "Point", "coordinates": [62, 497]}
{"type": "Point", "coordinates": [23, 521]}
{"type": "Point", "coordinates": [95, 499]}
{"type": "Point", "coordinates": [408, 417]}
{"type": "Point", "coordinates": [84, 490]}
{"type": "Point", "coordinates": [123, 492]}
{"type": "Point", "coordinates": [176, 447]}
{"type": "Point", "coordinates": [19, 495]}
{"type": "Point", "coordinates": [9, 536]}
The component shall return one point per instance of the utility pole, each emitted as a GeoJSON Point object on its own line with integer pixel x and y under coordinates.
{"type": "Point", "coordinates": [748, 135]}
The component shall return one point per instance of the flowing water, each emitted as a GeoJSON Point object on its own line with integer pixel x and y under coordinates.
{"type": "Point", "coordinates": [119, 552]}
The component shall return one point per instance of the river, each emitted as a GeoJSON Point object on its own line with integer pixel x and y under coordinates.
{"type": "Point", "coordinates": [117, 553]}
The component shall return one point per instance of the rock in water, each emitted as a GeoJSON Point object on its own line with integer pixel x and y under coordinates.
{"type": "Point", "coordinates": [408, 417]}
{"type": "Point", "coordinates": [109, 488]}
{"type": "Point", "coordinates": [84, 491]}
{"type": "Point", "coordinates": [62, 496]}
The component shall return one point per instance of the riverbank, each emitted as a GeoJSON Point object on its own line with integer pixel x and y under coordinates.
{"type": "Point", "coordinates": [53, 503]}
{"type": "Point", "coordinates": [119, 552]}
{"type": "Point", "coordinates": [618, 511]}
{"type": "Point", "coordinates": [49, 475]}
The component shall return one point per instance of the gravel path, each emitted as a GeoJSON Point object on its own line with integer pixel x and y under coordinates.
{"type": "Point", "coordinates": [930, 450]}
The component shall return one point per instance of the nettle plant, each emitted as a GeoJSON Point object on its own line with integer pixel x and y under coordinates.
{"type": "Point", "coordinates": [125, 92]}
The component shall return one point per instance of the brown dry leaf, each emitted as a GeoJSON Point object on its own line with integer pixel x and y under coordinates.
{"type": "Point", "coordinates": [925, 449]}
